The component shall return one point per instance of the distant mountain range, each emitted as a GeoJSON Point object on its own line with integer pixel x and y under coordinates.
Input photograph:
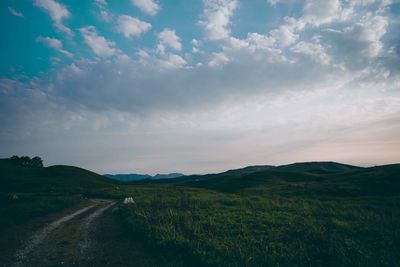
{"type": "Point", "coordinates": [139, 177]}
{"type": "Point", "coordinates": [321, 167]}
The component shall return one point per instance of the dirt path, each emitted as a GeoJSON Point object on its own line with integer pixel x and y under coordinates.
{"type": "Point", "coordinates": [64, 241]}
{"type": "Point", "coordinates": [90, 236]}
{"type": "Point", "coordinates": [86, 240]}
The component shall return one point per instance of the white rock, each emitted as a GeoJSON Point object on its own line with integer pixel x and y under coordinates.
{"type": "Point", "coordinates": [129, 200]}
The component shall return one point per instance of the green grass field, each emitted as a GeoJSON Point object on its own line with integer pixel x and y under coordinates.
{"type": "Point", "coordinates": [312, 214]}
{"type": "Point", "coordinates": [292, 216]}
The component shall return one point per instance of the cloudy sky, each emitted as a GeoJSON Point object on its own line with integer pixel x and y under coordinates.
{"type": "Point", "coordinates": [199, 86]}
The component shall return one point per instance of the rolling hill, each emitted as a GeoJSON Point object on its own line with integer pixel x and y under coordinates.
{"type": "Point", "coordinates": [15, 178]}
{"type": "Point", "coordinates": [307, 178]}
{"type": "Point", "coordinates": [301, 214]}
{"type": "Point", "coordinates": [318, 167]}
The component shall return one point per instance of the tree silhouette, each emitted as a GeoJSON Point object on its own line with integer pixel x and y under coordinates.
{"type": "Point", "coordinates": [27, 161]}
{"type": "Point", "coordinates": [37, 162]}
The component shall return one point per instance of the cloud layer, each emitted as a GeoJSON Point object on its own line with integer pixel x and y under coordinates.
{"type": "Point", "coordinates": [317, 84]}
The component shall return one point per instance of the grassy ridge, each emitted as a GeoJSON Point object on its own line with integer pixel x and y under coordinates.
{"type": "Point", "coordinates": [308, 214]}
{"type": "Point", "coordinates": [337, 179]}
{"type": "Point", "coordinates": [14, 178]}
{"type": "Point", "coordinates": [275, 218]}
{"type": "Point", "coordinates": [42, 191]}
{"type": "Point", "coordinates": [30, 196]}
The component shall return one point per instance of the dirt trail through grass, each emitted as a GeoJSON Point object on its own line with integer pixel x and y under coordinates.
{"type": "Point", "coordinates": [90, 236]}
{"type": "Point", "coordinates": [86, 240]}
{"type": "Point", "coordinates": [63, 241]}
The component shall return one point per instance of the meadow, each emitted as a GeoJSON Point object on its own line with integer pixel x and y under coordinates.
{"type": "Point", "coordinates": [208, 228]}
{"type": "Point", "coordinates": [312, 214]}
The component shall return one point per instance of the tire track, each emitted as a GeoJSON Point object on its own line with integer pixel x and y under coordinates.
{"type": "Point", "coordinates": [86, 241]}
{"type": "Point", "coordinates": [38, 237]}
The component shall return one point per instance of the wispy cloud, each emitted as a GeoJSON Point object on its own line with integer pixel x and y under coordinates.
{"type": "Point", "coordinates": [58, 13]}
{"type": "Point", "coordinates": [54, 44]}
{"type": "Point", "coordinates": [15, 13]}
{"type": "Point", "coordinates": [99, 44]}
{"type": "Point", "coordinates": [104, 14]}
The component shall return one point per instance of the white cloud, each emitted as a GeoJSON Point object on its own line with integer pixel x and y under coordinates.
{"type": "Point", "coordinates": [361, 2]}
{"type": "Point", "coordinates": [58, 12]}
{"type": "Point", "coordinates": [260, 41]}
{"type": "Point", "coordinates": [218, 59]}
{"type": "Point", "coordinates": [152, 84]}
{"type": "Point", "coordinates": [195, 42]}
{"type": "Point", "coordinates": [270, 46]}
{"type": "Point", "coordinates": [216, 18]}
{"type": "Point", "coordinates": [153, 62]}
{"type": "Point", "coordinates": [132, 27]}
{"type": "Point", "coordinates": [275, 41]}
{"type": "Point", "coordinates": [168, 38]}
{"type": "Point", "coordinates": [318, 12]}
{"type": "Point", "coordinates": [143, 54]}
{"type": "Point", "coordinates": [150, 7]}
{"type": "Point", "coordinates": [123, 58]}
{"type": "Point", "coordinates": [384, 5]}
{"type": "Point", "coordinates": [51, 42]}
{"type": "Point", "coordinates": [273, 2]}
{"type": "Point", "coordinates": [287, 33]}
{"type": "Point", "coordinates": [173, 61]}
{"type": "Point", "coordinates": [315, 50]}
{"type": "Point", "coordinates": [284, 36]}
{"type": "Point", "coordinates": [15, 13]}
{"type": "Point", "coordinates": [104, 14]}
{"type": "Point", "coordinates": [256, 48]}
{"type": "Point", "coordinates": [54, 44]}
{"type": "Point", "coordinates": [99, 45]}
{"type": "Point", "coordinates": [370, 30]}
{"type": "Point", "coordinates": [235, 43]}
{"type": "Point", "coordinates": [360, 42]}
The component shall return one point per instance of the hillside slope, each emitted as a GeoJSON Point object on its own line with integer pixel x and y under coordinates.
{"type": "Point", "coordinates": [318, 167]}
{"type": "Point", "coordinates": [308, 178]}
{"type": "Point", "coordinates": [14, 178]}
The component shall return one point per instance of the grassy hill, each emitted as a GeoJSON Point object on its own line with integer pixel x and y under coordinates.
{"type": "Point", "coordinates": [302, 214]}
{"type": "Point", "coordinates": [318, 167]}
{"type": "Point", "coordinates": [68, 179]}
{"type": "Point", "coordinates": [327, 178]}
{"type": "Point", "coordinates": [31, 192]}
{"type": "Point", "coordinates": [28, 194]}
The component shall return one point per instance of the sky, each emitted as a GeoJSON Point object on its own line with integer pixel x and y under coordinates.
{"type": "Point", "coordinates": [200, 86]}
